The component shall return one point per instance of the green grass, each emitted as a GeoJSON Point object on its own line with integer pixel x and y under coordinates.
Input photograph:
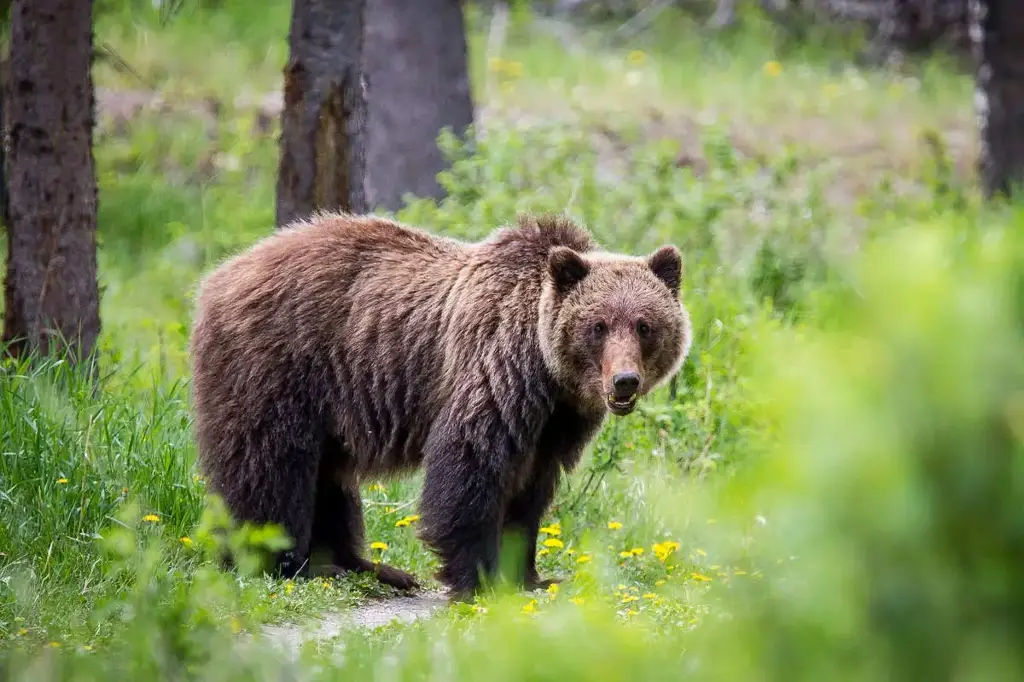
{"type": "Point", "coordinates": [833, 490]}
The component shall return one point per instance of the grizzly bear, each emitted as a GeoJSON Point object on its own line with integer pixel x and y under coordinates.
{"type": "Point", "coordinates": [343, 348]}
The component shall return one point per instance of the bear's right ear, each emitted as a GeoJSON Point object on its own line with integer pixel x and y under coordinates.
{"type": "Point", "coordinates": [567, 268]}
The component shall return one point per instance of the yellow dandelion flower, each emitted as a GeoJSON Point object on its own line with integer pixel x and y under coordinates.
{"type": "Point", "coordinates": [186, 540]}
{"type": "Point", "coordinates": [614, 525]}
{"type": "Point", "coordinates": [479, 609]}
{"type": "Point", "coordinates": [151, 518]}
{"type": "Point", "coordinates": [625, 554]}
{"type": "Point", "coordinates": [578, 601]}
{"type": "Point", "coordinates": [570, 552]}
{"type": "Point", "coordinates": [621, 587]}
{"type": "Point", "coordinates": [628, 598]}
{"type": "Point", "coordinates": [379, 545]}
{"type": "Point", "coordinates": [62, 481]}
{"type": "Point", "coordinates": [659, 583]}
{"type": "Point", "coordinates": [636, 551]}
{"type": "Point", "coordinates": [377, 487]}
{"type": "Point", "coordinates": [583, 558]}
{"type": "Point", "coordinates": [530, 607]}
{"type": "Point", "coordinates": [87, 647]}
{"type": "Point", "coordinates": [390, 510]}
{"type": "Point", "coordinates": [289, 587]}
{"type": "Point", "coordinates": [544, 551]}
{"type": "Point", "coordinates": [553, 588]}
{"type": "Point", "coordinates": [662, 550]}
{"type": "Point", "coordinates": [554, 542]}
{"type": "Point", "coordinates": [636, 57]}
{"type": "Point", "coordinates": [272, 595]}
{"type": "Point", "coordinates": [22, 632]}
{"type": "Point", "coordinates": [701, 577]}
{"type": "Point", "coordinates": [632, 612]}
{"type": "Point", "coordinates": [400, 523]}
{"type": "Point", "coordinates": [772, 69]}
{"type": "Point", "coordinates": [412, 518]}
{"type": "Point", "coordinates": [551, 530]}
{"type": "Point", "coordinates": [650, 595]}
{"type": "Point", "coordinates": [53, 645]}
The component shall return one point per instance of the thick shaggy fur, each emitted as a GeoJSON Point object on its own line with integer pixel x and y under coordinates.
{"type": "Point", "coordinates": [349, 347]}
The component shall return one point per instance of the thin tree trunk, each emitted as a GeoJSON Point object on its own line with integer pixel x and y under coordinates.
{"type": "Point", "coordinates": [997, 32]}
{"type": "Point", "coordinates": [51, 284]}
{"type": "Point", "coordinates": [323, 125]}
{"type": "Point", "coordinates": [416, 58]}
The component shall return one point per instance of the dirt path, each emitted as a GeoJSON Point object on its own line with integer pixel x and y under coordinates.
{"type": "Point", "coordinates": [370, 615]}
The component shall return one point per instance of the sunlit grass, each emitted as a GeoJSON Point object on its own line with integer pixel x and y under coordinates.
{"type": "Point", "coordinates": [713, 513]}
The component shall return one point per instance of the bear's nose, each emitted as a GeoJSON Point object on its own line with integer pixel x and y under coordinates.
{"type": "Point", "coordinates": [625, 384]}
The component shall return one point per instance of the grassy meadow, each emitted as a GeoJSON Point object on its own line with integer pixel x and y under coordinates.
{"type": "Point", "coordinates": [834, 491]}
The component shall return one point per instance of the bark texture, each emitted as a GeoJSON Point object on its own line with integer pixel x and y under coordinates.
{"type": "Point", "coordinates": [416, 58]}
{"type": "Point", "coordinates": [51, 289]}
{"type": "Point", "coordinates": [997, 32]}
{"type": "Point", "coordinates": [323, 125]}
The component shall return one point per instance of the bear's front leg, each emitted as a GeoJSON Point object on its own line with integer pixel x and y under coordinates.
{"type": "Point", "coordinates": [467, 466]}
{"type": "Point", "coordinates": [525, 511]}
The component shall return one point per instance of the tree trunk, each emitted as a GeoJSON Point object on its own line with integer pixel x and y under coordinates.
{"type": "Point", "coordinates": [416, 58]}
{"type": "Point", "coordinates": [52, 294]}
{"type": "Point", "coordinates": [323, 125]}
{"type": "Point", "coordinates": [997, 31]}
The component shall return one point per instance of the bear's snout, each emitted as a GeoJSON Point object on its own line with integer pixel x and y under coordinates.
{"type": "Point", "coordinates": [625, 385]}
{"type": "Point", "coordinates": [622, 382]}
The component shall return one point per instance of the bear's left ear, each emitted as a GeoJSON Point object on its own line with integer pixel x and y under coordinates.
{"type": "Point", "coordinates": [567, 268]}
{"type": "Point", "coordinates": [667, 265]}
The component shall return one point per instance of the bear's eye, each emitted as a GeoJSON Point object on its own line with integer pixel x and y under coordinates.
{"type": "Point", "coordinates": [642, 328]}
{"type": "Point", "coordinates": [599, 329]}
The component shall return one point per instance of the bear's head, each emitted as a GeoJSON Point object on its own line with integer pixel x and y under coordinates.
{"type": "Point", "coordinates": [612, 327]}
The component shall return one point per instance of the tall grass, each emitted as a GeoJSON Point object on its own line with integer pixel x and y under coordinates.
{"type": "Point", "coordinates": [830, 490]}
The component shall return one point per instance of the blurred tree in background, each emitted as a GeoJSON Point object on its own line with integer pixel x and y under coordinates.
{"type": "Point", "coordinates": [323, 125]}
{"type": "Point", "coordinates": [998, 32]}
{"type": "Point", "coordinates": [417, 67]}
{"type": "Point", "coordinates": [51, 287]}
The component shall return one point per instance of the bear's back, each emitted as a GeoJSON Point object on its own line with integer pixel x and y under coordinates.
{"type": "Point", "coordinates": [374, 321]}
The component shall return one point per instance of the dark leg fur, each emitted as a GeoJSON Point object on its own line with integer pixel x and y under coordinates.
{"type": "Point", "coordinates": [463, 499]}
{"type": "Point", "coordinates": [524, 513]}
{"type": "Point", "coordinates": [272, 479]}
{"type": "Point", "coordinates": [338, 527]}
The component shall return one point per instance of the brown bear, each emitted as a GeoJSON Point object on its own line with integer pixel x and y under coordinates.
{"type": "Point", "coordinates": [343, 347]}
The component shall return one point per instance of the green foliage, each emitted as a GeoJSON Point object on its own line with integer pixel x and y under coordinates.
{"type": "Point", "coordinates": [830, 488]}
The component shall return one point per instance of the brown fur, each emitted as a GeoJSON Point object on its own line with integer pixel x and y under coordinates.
{"type": "Point", "coordinates": [345, 347]}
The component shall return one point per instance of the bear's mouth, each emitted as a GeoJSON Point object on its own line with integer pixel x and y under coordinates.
{"type": "Point", "coordinates": [622, 406]}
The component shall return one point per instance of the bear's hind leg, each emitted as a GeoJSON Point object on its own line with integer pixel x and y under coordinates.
{"type": "Point", "coordinates": [264, 480]}
{"type": "Point", "coordinates": [338, 526]}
